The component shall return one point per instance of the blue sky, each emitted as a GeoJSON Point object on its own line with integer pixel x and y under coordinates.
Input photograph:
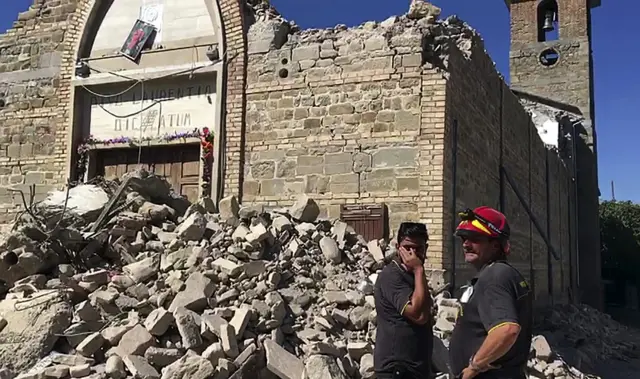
{"type": "Point", "coordinates": [616, 51]}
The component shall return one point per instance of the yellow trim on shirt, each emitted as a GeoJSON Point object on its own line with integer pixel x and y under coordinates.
{"type": "Point", "coordinates": [405, 307]}
{"type": "Point", "coordinates": [502, 324]}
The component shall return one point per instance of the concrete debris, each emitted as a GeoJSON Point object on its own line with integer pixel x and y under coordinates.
{"type": "Point", "coordinates": [420, 9]}
{"type": "Point", "coordinates": [191, 294]}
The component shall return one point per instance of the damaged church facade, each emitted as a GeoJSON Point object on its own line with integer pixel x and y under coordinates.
{"type": "Point", "coordinates": [409, 113]}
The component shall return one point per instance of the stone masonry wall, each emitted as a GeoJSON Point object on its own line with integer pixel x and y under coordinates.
{"type": "Point", "coordinates": [37, 61]}
{"type": "Point", "coordinates": [34, 91]}
{"type": "Point", "coordinates": [493, 129]}
{"type": "Point", "coordinates": [348, 124]}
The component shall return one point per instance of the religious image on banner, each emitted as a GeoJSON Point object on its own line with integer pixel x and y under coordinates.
{"type": "Point", "coordinates": [138, 38]}
{"type": "Point", "coordinates": [153, 14]}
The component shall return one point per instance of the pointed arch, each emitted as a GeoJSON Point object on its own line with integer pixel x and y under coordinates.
{"type": "Point", "coordinates": [229, 17]}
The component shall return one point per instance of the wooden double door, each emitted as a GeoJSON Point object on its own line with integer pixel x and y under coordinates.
{"type": "Point", "coordinates": [178, 164]}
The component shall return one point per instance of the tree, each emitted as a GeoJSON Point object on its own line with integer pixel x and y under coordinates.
{"type": "Point", "coordinates": [620, 239]}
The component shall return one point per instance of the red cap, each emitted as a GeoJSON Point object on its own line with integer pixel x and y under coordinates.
{"type": "Point", "coordinates": [479, 224]}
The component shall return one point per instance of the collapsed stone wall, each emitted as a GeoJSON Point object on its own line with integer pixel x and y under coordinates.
{"type": "Point", "coordinates": [322, 102]}
{"type": "Point", "coordinates": [356, 115]}
{"type": "Point", "coordinates": [350, 115]}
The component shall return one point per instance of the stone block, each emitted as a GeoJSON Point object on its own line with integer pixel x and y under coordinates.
{"type": "Point", "coordinates": [375, 43]}
{"type": "Point", "coordinates": [80, 371]}
{"type": "Point", "coordinates": [370, 183]}
{"type": "Point", "coordinates": [263, 170]}
{"type": "Point", "coordinates": [228, 208]}
{"type": "Point", "coordinates": [13, 151]}
{"type": "Point", "coordinates": [412, 60]}
{"type": "Point", "coordinates": [312, 123]}
{"type": "Point", "coordinates": [316, 183]}
{"type": "Point", "coordinates": [135, 342]}
{"type": "Point", "coordinates": [361, 162]}
{"type": "Point", "coordinates": [286, 169]}
{"type": "Point", "coordinates": [310, 160]}
{"type": "Point", "coordinates": [90, 344]}
{"type": "Point", "coordinates": [311, 52]}
{"type": "Point", "coordinates": [26, 150]}
{"type": "Point", "coordinates": [338, 158]}
{"type": "Point", "coordinates": [395, 157]}
{"type": "Point", "coordinates": [158, 321]}
{"type": "Point", "coordinates": [240, 320]}
{"type": "Point", "coordinates": [407, 120]}
{"type": "Point", "coordinates": [139, 367]}
{"type": "Point", "coordinates": [272, 187]}
{"type": "Point", "coordinates": [228, 340]}
{"type": "Point", "coordinates": [341, 109]}
{"type": "Point", "coordinates": [282, 363]}
{"type": "Point", "coordinates": [386, 116]}
{"type": "Point", "coordinates": [310, 170]}
{"type": "Point", "coordinates": [304, 209]}
{"type": "Point", "coordinates": [407, 184]}
{"type": "Point", "coordinates": [188, 323]}
{"type": "Point", "coordinates": [198, 289]}
{"type": "Point", "coordinates": [338, 168]}
{"type": "Point", "coordinates": [162, 357]}
{"type": "Point", "coordinates": [250, 188]}
{"type": "Point", "coordinates": [344, 183]}
{"type": "Point", "coordinates": [34, 177]}
{"type": "Point", "coordinates": [379, 63]}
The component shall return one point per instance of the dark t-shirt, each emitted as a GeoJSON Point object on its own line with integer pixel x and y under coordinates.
{"type": "Point", "coordinates": [399, 342]}
{"type": "Point", "coordinates": [498, 294]}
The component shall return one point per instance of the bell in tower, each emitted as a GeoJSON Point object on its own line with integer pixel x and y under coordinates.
{"type": "Point", "coordinates": [549, 18]}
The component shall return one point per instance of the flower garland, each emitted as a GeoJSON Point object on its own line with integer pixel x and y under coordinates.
{"type": "Point", "coordinates": [206, 142]}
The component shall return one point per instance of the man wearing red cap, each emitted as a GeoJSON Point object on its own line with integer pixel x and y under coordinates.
{"type": "Point", "coordinates": [492, 336]}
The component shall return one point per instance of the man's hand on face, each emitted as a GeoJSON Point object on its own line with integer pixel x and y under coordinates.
{"type": "Point", "coordinates": [410, 259]}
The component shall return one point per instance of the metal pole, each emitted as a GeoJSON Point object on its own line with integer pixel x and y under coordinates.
{"type": "Point", "coordinates": [613, 191]}
{"type": "Point", "coordinates": [531, 215]}
{"type": "Point", "coordinates": [454, 183]}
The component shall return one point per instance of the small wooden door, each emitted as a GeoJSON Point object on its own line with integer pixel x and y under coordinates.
{"type": "Point", "coordinates": [178, 164]}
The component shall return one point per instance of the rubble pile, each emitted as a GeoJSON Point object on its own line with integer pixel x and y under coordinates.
{"type": "Point", "coordinates": [581, 336]}
{"type": "Point", "coordinates": [195, 295]}
{"type": "Point", "coordinates": [420, 28]}
{"type": "Point", "coordinates": [170, 290]}
{"type": "Point", "coordinates": [587, 335]}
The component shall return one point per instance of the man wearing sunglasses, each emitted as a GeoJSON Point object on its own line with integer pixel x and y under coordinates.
{"type": "Point", "coordinates": [492, 336]}
{"type": "Point", "coordinates": [404, 338]}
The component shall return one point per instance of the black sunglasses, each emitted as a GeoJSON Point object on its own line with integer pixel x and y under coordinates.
{"type": "Point", "coordinates": [469, 215]}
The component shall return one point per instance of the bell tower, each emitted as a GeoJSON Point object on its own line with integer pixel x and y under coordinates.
{"type": "Point", "coordinates": [551, 62]}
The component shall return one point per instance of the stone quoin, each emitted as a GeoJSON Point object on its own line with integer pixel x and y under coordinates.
{"type": "Point", "coordinates": [409, 112]}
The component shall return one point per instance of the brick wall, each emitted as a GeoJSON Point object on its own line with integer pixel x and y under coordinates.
{"type": "Point", "coordinates": [569, 83]}
{"type": "Point", "coordinates": [493, 129]}
{"type": "Point", "coordinates": [355, 120]}
{"type": "Point", "coordinates": [234, 89]}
